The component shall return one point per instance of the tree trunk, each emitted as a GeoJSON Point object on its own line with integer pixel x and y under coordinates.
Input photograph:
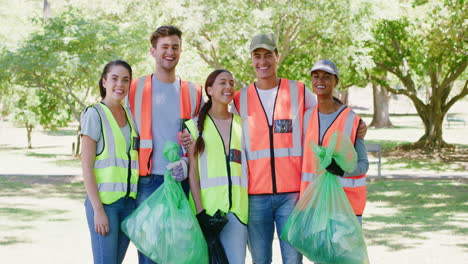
{"type": "Point", "coordinates": [29, 129]}
{"type": "Point", "coordinates": [381, 116]}
{"type": "Point", "coordinates": [343, 96]}
{"type": "Point", "coordinates": [46, 11]}
{"type": "Point", "coordinates": [433, 124]}
{"type": "Point", "coordinates": [78, 142]}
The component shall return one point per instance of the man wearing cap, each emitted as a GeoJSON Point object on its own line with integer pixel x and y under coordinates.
{"type": "Point", "coordinates": [272, 111]}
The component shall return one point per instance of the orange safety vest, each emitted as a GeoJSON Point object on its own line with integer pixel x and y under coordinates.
{"type": "Point", "coordinates": [347, 121]}
{"type": "Point", "coordinates": [140, 99]}
{"type": "Point", "coordinates": [274, 153]}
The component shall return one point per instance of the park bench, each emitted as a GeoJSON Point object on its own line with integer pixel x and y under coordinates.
{"type": "Point", "coordinates": [455, 118]}
{"type": "Point", "coordinates": [377, 149]}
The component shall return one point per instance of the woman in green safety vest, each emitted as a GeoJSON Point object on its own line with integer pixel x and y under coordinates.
{"type": "Point", "coordinates": [215, 174]}
{"type": "Point", "coordinates": [110, 164]}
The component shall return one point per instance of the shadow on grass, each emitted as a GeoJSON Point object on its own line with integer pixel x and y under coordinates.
{"type": "Point", "coordinates": [61, 132]}
{"type": "Point", "coordinates": [27, 214]}
{"type": "Point", "coordinates": [445, 161]}
{"type": "Point", "coordinates": [42, 187]}
{"type": "Point", "coordinates": [423, 207]}
{"type": "Point", "coordinates": [59, 159]}
{"type": "Point", "coordinates": [5, 147]}
{"type": "Point", "coordinates": [11, 240]}
{"type": "Point", "coordinates": [41, 155]}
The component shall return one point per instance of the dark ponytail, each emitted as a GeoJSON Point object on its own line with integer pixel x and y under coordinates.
{"type": "Point", "coordinates": [200, 143]}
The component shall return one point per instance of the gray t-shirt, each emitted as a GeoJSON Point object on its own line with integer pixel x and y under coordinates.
{"type": "Point", "coordinates": [166, 121]}
{"type": "Point", "coordinates": [360, 146]}
{"type": "Point", "coordinates": [91, 127]}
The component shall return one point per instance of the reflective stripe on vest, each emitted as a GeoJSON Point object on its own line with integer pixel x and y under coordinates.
{"type": "Point", "coordinates": [220, 188]}
{"type": "Point", "coordinates": [347, 121]}
{"type": "Point", "coordinates": [140, 99]}
{"type": "Point", "coordinates": [285, 134]}
{"type": "Point", "coordinates": [112, 166]}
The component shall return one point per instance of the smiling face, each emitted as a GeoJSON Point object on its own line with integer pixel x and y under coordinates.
{"type": "Point", "coordinates": [265, 63]}
{"type": "Point", "coordinates": [117, 83]}
{"type": "Point", "coordinates": [323, 82]}
{"type": "Point", "coordinates": [167, 52]}
{"type": "Point", "coordinates": [222, 90]}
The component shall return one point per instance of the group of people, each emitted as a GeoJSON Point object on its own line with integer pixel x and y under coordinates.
{"type": "Point", "coordinates": [249, 161]}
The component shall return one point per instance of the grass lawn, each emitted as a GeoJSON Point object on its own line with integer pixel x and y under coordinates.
{"type": "Point", "coordinates": [414, 209]}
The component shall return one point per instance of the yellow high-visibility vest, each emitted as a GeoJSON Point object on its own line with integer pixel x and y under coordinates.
{"type": "Point", "coordinates": [223, 185]}
{"type": "Point", "coordinates": [116, 167]}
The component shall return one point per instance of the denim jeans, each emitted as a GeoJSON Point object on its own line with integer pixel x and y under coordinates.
{"type": "Point", "coordinates": [146, 186]}
{"type": "Point", "coordinates": [264, 212]}
{"type": "Point", "coordinates": [234, 239]}
{"type": "Point", "coordinates": [112, 247]}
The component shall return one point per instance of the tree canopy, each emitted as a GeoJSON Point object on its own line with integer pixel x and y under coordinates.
{"type": "Point", "coordinates": [418, 44]}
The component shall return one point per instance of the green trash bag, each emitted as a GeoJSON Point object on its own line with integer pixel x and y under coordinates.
{"type": "Point", "coordinates": [323, 226]}
{"type": "Point", "coordinates": [164, 227]}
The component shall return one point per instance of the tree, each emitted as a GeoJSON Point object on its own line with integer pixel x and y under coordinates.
{"type": "Point", "coordinates": [36, 107]}
{"type": "Point", "coordinates": [426, 51]}
{"type": "Point", "coordinates": [381, 98]}
{"type": "Point", "coordinates": [65, 58]}
{"type": "Point", "coordinates": [220, 31]}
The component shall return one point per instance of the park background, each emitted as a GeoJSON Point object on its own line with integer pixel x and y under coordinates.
{"type": "Point", "coordinates": [403, 69]}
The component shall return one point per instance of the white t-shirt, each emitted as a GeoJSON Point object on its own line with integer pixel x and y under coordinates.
{"type": "Point", "coordinates": [268, 98]}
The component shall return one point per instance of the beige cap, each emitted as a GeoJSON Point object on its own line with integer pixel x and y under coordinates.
{"type": "Point", "coordinates": [265, 41]}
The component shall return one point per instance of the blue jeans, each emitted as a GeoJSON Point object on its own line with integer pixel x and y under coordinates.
{"type": "Point", "coordinates": [234, 239]}
{"type": "Point", "coordinates": [264, 211]}
{"type": "Point", "coordinates": [147, 185]}
{"type": "Point", "coordinates": [112, 247]}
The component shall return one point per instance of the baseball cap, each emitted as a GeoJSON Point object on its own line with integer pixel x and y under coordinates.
{"type": "Point", "coordinates": [265, 41]}
{"type": "Point", "coordinates": [327, 66]}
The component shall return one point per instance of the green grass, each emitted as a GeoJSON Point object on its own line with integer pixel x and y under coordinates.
{"type": "Point", "coordinates": [41, 155]}
{"type": "Point", "coordinates": [61, 132]}
{"type": "Point", "coordinates": [59, 160]}
{"type": "Point", "coordinates": [75, 162]}
{"type": "Point", "coordinates": [421, 207]}
{"type": "Point", "coordinates": [18, 186]}
{"type": "Point", "coordinates": [387, 145]}
{"type": "Point", "coordinates": [422, 165]}
{"type": "Point", "coordinates": [395, 159]}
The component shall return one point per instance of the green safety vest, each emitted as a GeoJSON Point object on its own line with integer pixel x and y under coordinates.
{"type": "Point", "coordinates": [222, 183]}
{"type": "Point", "coordinates": [116, 167]}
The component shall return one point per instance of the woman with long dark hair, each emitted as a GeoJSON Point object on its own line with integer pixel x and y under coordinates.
{"type": "Point", "coordinates": [215, 174]}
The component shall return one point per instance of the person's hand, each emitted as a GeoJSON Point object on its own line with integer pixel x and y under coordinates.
{"type": "Point", "coordinates": [179, 169]}
{"type": "Point", "coordinates": [362, 129]}
{"type": "Point", "coordinates": [101, 223]}
{"type": "Point", "coordinates": [204, 221]}
{"type": "Point", "coordinates": [186, 139]}
{"type": "Point", "coordinates": [335, 169]}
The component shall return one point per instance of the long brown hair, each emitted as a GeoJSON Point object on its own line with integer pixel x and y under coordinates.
{"type": "Point", "coordinates": [200, 143]}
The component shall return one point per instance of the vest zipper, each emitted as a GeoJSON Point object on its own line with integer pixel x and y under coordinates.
{"type": "Point", "coordinates": [228, 166]}
{"type": "Point", "coordinates": [270, 127]}
{"type": "Point", "coordinates": [272, 160]}
{"type": "Point", "coordinates": [129, 174]}
{"type": "Point", "coordinates": [129, 159]}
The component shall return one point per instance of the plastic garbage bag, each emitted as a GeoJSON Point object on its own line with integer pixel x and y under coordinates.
{"type": "Point", "coordinates": [212, 227]}
{"type": "Point", "coordinates": [164, 227]}
{"type": "Point", "coordinates": [323, 226]}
